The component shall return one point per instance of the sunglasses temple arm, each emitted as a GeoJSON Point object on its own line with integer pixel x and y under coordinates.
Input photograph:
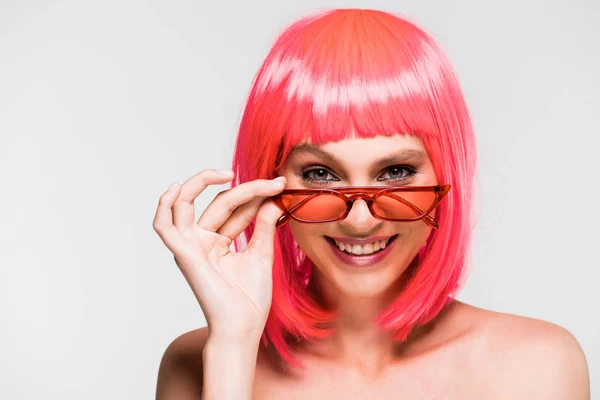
{"type": "Point", "coordinates": [427, 218]}
{"type": "Point", "coordinates": [283, 220]}
{"type": "Point", "coordinates": [430, 221]}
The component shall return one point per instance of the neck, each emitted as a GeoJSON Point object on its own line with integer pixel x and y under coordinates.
{"type": "Point", "coordinates": [358, 342]}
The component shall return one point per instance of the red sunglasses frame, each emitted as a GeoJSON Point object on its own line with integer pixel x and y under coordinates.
{"type": "Point", "coordinates": [369, 194]}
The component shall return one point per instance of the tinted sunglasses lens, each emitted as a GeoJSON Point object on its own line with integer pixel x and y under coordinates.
{"type": "Point", "coordinates": [403, 204]}
{"type": "Point", "coordinates": [310, 207]}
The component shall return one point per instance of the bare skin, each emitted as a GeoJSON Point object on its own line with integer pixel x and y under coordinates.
{"type": "Point", "coordinates": [467, 353]}
{"type": "Point", "coordinates": [464, 353]}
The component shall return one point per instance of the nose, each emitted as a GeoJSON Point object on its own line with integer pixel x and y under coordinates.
{"type": "Point", "coordinates": [359, 218]}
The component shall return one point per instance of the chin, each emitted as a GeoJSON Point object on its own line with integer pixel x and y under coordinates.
{"type": "Point", "coordinates": [366, 286]}
{"type": "Point", "coordinates": [361, 281]}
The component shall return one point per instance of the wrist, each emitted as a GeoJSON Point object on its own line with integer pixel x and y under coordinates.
{"type": "Point", "coordinates": [241, 346]}
{"type": "Point", "coordinates": [227, 336]}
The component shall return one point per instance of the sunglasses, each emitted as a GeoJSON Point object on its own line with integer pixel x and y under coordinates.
{"type": "Point", "coordinates": [399, 203]}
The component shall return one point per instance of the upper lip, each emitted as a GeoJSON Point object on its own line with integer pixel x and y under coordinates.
{"type": "Point", "coordinates": [370, 239]}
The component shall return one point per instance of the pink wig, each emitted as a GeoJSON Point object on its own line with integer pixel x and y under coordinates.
{"type": "Point", "coordinates": [367, 72]}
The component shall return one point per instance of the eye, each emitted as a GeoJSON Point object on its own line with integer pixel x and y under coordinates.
{"type": "Point", "coordinates": [318, 176]}
{"type": "Point", "coordinates": [322, 175]}
{"type": "Point", "coordinates": [395, 172]}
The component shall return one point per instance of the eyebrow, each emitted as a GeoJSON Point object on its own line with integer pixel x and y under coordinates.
{"type": "Point", "coordinates": [405, 155]}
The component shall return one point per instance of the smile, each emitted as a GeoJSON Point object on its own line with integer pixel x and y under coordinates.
{"type": "Point", "coordinates": [362, 249]}
{"type": "Point", "coordinates": [362, 254]}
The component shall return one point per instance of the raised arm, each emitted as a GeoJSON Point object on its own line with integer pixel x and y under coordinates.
{"type": "Point", "coordinates": [234, 289]}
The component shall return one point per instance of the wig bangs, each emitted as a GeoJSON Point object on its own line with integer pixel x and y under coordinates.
{"type": "Point", "coordinates": [347, 80]}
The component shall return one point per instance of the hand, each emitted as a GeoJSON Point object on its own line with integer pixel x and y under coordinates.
{"type": "Point", "coordinates": [234, 289]}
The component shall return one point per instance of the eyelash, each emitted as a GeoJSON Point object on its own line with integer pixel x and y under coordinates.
{"type": "Point", "coordinates": [305, 174]}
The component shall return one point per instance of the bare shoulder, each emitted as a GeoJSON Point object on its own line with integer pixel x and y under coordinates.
{"type": "Point", "coordinates": [529, 358]}
{"type": "Point", "coordinates": [180, 371]}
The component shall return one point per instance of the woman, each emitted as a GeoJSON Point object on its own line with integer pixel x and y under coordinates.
{"type": "Point", "coordinates": [349, 292]}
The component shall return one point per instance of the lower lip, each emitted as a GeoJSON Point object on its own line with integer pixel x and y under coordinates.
{"type": "Point", "coordinates": [362, 261]}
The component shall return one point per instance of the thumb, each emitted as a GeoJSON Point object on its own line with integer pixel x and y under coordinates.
{"type": "Point", "coordinates": [261, 243]}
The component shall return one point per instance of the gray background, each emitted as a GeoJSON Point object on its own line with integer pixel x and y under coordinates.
{"type": "Point", "coordinates": [104, 104]}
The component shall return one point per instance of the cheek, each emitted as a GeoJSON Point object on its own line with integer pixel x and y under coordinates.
{"type": "Point", "coordinates": [415, 235]}
{"type": "Point", "coordinates": [306, 235]}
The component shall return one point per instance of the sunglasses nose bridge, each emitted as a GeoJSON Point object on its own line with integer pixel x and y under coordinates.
{"type": "Point", "coordinates": [366, 197]}
{"type": "Point", "coordinates": [351, 199]}
{"type": "Point", "coordinates": [361, 217]}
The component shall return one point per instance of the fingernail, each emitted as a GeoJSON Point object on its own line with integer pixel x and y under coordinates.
{"type": "Point", "coordinates": [277, 181]}
{"type": "Point", "coordinates": [173, 186]}
{"type": "Point", "coordinates": [225, 172]}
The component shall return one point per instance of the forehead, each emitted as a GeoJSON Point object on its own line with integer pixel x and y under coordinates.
{"type": "Point", "coordinates": [377, 149]}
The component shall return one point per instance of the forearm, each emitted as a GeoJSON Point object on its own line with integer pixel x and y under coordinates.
{"type": "Point", "coordinates": [229, 368]}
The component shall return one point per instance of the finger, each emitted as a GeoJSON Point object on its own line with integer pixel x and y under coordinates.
{"type": "Point", "coordinates": [261, 243]}
{"type": "Point", "coordinates": [241, 218]}
{"type": "Point", "coordinates": [163, 220]}
{"type": "Point", "coordinates": [221, 208]}
{"type": "Point", "coordinates": [183, 208]}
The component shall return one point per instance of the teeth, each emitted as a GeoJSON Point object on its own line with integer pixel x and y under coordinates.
{"type": "Point", "coordinates": [362, 249]}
